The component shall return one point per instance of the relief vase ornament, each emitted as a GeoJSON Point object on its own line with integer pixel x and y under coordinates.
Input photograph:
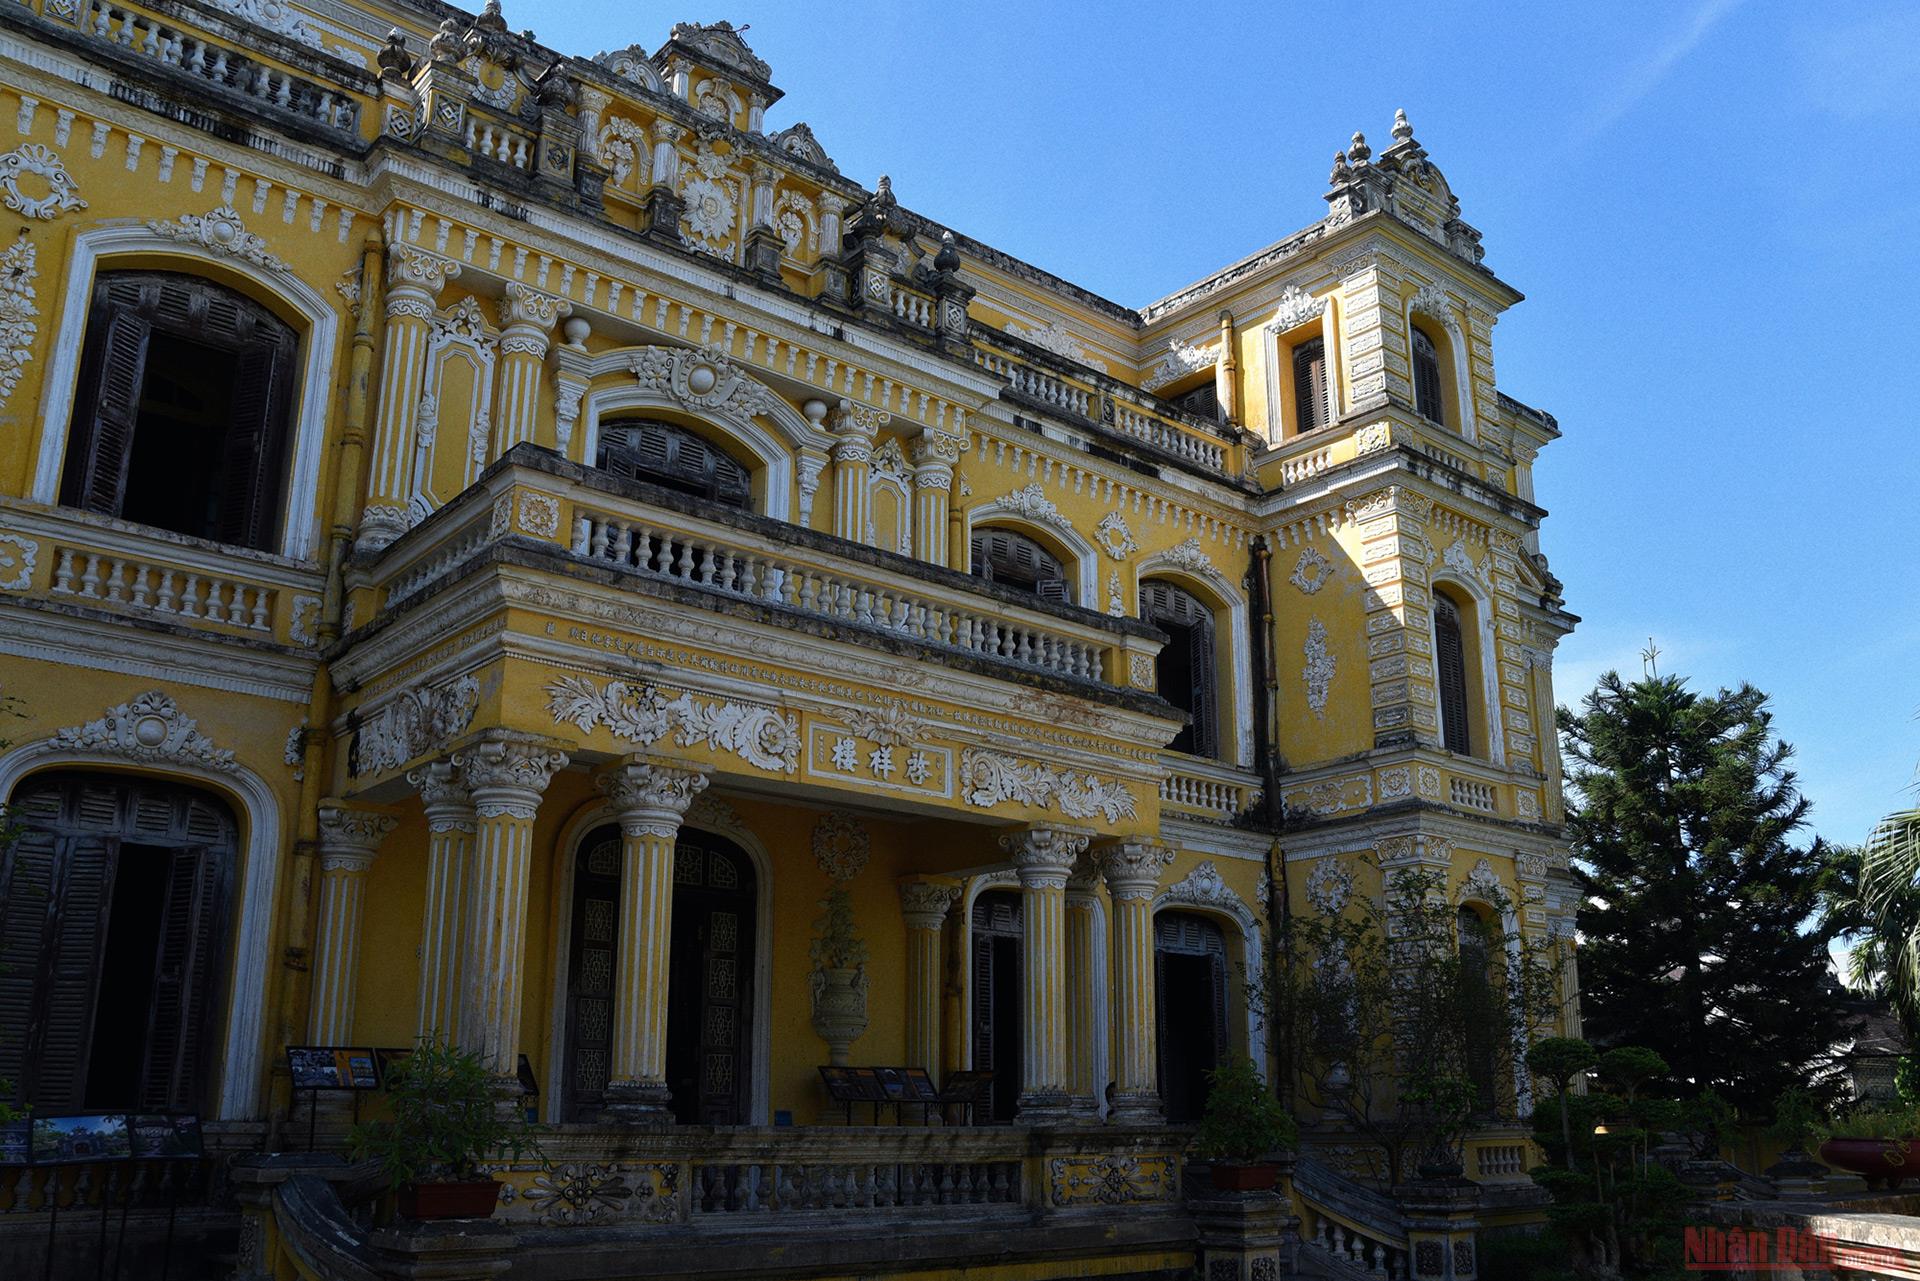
{"type": "Point", "coordinates": [840, 1009]}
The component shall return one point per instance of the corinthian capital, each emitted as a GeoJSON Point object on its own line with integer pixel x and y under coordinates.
{"type": "Point", "coordinates": [861, 422]}
{"type": "Point", "coordinates": [448, 802]}
{"type": "Point", "coordinates": [1044, 855]}
{"type": "Point", "coordinates": [410, 267]}
{"type": "Point", "coordinates": [525, 306]}
{"type": "Point", "coordinates": [508, 774]}
{"type": "Point", "coordinates": [349, 838]}
{"type": "Point", "coordinates": [1133, 868]}
{"type": "Point", "coordinates": [924, 904]}
{"type": "Point", "coordinates": [932, 447]}
{"type": "Point", "coordinates": [650, 796]}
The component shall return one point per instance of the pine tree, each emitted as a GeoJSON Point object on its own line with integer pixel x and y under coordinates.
{"type": "Point", "coordinates": [1700, 927]}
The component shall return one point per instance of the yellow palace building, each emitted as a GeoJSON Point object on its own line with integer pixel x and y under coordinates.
{"type": "Point", "coordinates": [491, 538]}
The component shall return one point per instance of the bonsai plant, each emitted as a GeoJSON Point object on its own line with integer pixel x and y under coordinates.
{"type": "Point", "coordinates": [1879, 1144]}
{"type": "Point", "coordinates": [446, 1119]}
{"type": "Point", "coordinates": [839, 977]}
{"type": "Point", "coordinates": [1241, 1125]}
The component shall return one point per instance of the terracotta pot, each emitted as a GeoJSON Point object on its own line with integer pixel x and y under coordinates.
{"type": "Point", "coordinates": [1231, 1176]}
{"type": "Point", "coordinates": [474, 1200]}
{"type": "Point", "coordinates": [1876, 1160]}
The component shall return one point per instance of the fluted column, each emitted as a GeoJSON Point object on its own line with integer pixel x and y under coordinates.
{"type": "Point", "coordinates": [649, 798]}
{"type": "Point", "coordinates": [1086, 981]}
{"type": "Point", "coordinates": [854, 427]}
{"type": "Point", "coordinates": [923, 905]}
{"type": "Point", "coordinates": [934, 454]}
{"type": "Point", "coordinates": [450, 824]}
{"type": "Point", "coordinates": [506, 776]}
{"type": "Point", "coordinates": [414, 281]}
{"type": "Point", "coordinates": [1132, 869]}
{"type": "Point", "coordinates": [1043, 856]}
{"type": "Point", "coordinates": [527, 317]}
{"type": "Point", "coordinates": [348, 840]}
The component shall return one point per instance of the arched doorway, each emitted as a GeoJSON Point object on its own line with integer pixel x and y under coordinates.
{"type": "Point", "coordinates": [113, 928]}
{"type": "Point", "coordinates": [996, 952]}
{"type": "Point", "coordinates": [709, 978]}
{"type": "Point", "coordinates": [1190, 975]}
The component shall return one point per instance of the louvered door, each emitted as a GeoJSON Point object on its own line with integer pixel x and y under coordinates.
{"type": "Point", "coordinates": [1450, 660]}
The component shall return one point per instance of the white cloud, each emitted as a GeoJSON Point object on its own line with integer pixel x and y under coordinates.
{"type": "Point", "coordinates": [1637, 82]}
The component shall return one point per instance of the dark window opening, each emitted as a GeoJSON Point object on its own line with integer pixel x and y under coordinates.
{"type": "Point", "coordinates": [1449, 652]}
{"type": "Point", "coordinates": [1014, 560]}
{"type": "Point", "coordinates": [1190, 958]}
{"type": "Point", "coordinates": [1203, 402]}
{"type": "Point", "coordinates": [1185, 667]}
{"type": "Point", "coordinates": [997, 1032]}
{"type": "Point", "coordinates": [183, 411]}
{"type": "Point", "coordinates": [127, 977]}
{"type": "Point", "coordinates": [673, 457]}
{"type": "Point", "coordinates": [1310, 384]}
{"type": "Point", "coordinates": [1427, 398]}
{"type": "Point", "coordinates": [1478, 998]}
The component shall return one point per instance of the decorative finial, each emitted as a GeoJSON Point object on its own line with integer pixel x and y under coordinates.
{"type": "Point", "coordinates": [1359, 153]}
{"type": "Point", "coordinates": [491, 19]}
{"type": "Point", "coordinates": [394, 58]}
{"type": "Point", "coordinates": [1402, 131]}
{"type": "Point", "coordinates": [1341, 175]}
{"type": "Point", "coordinates": [948, 259]}
{"type": "Point", "coordinates": [884, 188]}
{"type": "Point", "coordinates": [446, 45]}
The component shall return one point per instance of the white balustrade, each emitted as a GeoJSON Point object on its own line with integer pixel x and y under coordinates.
{"type": "Point", "coordinates": [1468, 794]}
{"type": "Point", "coordinates": [911, 307]}
{"type": "Point", "coordinates": [124, 582]}
{"type": "Point", "coordinates": [1503, 1160]}
{"type": "Point", "coordinates": [498, 144]}
{"type": "Point", "coordinates": [1042, 387]}
{"type": "Point", "coordinates": [1162, 435]}
{"type": "Point", "coordinates": [781, 1187]}
{"type": "Point", "coordinates": [1305, 467]}
{"type": "Point", "coordinates": [1214, 798]}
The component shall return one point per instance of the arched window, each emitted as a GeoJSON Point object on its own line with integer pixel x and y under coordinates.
{"type": "Point", "coordinates": [1429, 399]}
{"type": "Point", "coordinates": [1310, 384]}
{"type": "Point", "coordinates": [1478, 1004]}
{"type": "Point", "coordinates": [1185, 667]}
{"type": "Point", "coordinates": [183, 410]}
{"type": "Point", "coordinates": [1450, 662]}
{"type": "Point", "coordinates": [1014, 560]}
{"type": "Point", "coordinates": [674, 457]}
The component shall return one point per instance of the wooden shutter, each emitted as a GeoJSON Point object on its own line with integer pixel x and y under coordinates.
{"type": "Point", "coordinates": [26, 907]}
{"type": "Point", "coordinates": [251, 469]}
{"type": "Point", "coordinates": [1310, 384]}
{"type": "Point", "coordinates": [1427, 398]}
{"type": "Point", "coordinates": [982, 1002]}
{"type": "Point", "coordinates": [106, 403]}
{"type": "Point", "coordinates": [1450, 659]}
{"type": "Point", "coordinates": [1192, 688]}
{"type": "Point", "coordinates": [83, 892]}
{"type": "Point", "coordinates": [1217, 961]}
{"type": "Point", "coordinates": [182, 974]}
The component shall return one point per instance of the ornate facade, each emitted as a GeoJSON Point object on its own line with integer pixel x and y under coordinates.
{"type": "Point", "coordinates": [491, 537]}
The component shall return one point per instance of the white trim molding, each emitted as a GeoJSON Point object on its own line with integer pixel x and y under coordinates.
{"type": "Point", "coordinates": [320, 356]}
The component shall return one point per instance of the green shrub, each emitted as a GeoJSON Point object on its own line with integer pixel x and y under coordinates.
{"type": "Point", "coordinates": [1243, 1121]}
{"type": "Point", "coordinates": [447, 1119]}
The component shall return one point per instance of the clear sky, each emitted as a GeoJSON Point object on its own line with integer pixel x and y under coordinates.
{"type": "Point", "coordinates": [1712, 207]}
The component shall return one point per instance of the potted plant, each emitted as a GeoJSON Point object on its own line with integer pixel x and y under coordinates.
{"type": "Point", "coordinates": [1242, 1124]}
{"type": "Point", "coordinates": [1882, 1145]}
{"type": "Point", "coordinates": [839, 977]}
{"type": "Point", "coordinates": [446, 1119]}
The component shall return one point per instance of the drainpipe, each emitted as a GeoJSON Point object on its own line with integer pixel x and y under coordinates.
{"type": "Point", "coordinates": [1267, 761]}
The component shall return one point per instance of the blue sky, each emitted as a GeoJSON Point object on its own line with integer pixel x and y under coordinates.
{"type": "Point", "coordinates": [1712, 208]}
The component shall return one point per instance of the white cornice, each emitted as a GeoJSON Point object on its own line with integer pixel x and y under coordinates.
{"type": "Point", "coordinates": [71, 640]}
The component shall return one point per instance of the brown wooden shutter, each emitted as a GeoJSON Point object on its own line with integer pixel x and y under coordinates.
{"type": "Point", "coordinates": [83, 892]}
{"type": "Point", "coordinates": [181, 979]}
{"type": "Point", "coordinates": [1427, 397]}
{"type": "Point", "coordinates": [1310, 384]}
{"type": "Point", "coordinates": [251, 469]}
{"type": "Point", "coordinates": [106, 403]}
{"type": "Point", "coordinates": [982, 1002]}
{"type": "Point", "coordinates": [1450, 659]}
{"type": "Point", "coordinates": [26, 908]}
{"type": "Point", "coordinates": [1217, 961]}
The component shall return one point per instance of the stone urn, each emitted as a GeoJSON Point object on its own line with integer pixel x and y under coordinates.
{"type": "Point", "coordinates": [840, 1008]}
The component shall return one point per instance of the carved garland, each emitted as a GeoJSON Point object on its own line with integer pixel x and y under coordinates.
{"type": "Point", "coordinates": [643, 714]}
{"type": "Point", "coordinates": [1318, 672]}
{"type": "Point", "coordinates": [18, 315]}
{"type": "Point", "coordinates": [989, 778]}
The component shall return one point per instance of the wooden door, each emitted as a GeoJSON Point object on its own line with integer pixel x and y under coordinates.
{"type": "Point", "coordinates": [709, 994]}
{"type": "Point", "coordinates": [590, 970]}
{"type": "Point", "coordinates": [1190, 977]}
{"type": "Point", "coordinates": [997, 1007]}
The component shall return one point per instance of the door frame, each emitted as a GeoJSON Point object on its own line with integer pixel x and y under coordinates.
{"type": "Point", "coordinates": [573, 836]}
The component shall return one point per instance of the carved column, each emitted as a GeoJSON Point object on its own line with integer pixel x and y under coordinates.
{"type": "Point", "coordinates": [854, 427]}
{"type": "Point", "coordinates": [506, 776]}
{"type": "Point", "coordinates": [663, 201]}
{"type": "Point", "coordinates": [763, 243]}
{"type": "Point", "coordinates": [450, 824]}
{"type": "Point", "coordinates": [1086, 977]}
{"type": "Point", "coordinates": [570, 380]}
{"type": "Point", "coordinates": [923, 905]}
{"type": "Point", "coordinates": [348, 841]}
{"type": "Point", "coordinates": [414, 280]}
{"type": "Point", "coordinates": [527, 317]}
{"type": "Point", "coordinates": [1132, 869]}
{"type": "Point", "coordinates": [1043, 856]}
{"type": "Point", "coordinates": [934, 454]}
{"type": "Point", "coordinates": [649, 798]}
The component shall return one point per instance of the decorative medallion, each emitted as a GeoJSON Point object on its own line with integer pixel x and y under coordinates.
{"type": "Point", "coordinates": [1311, 571]}
{"type": "Point", "coordinates": [18, 557]}
{"type": "Point", "coordinates": [150, 729]}
{"type": "Point", "coordinates": [578, 1193]}
{"type": "Point", "coordinates": [223, 233]}
{"type": "Point", "coordinates": [540, 515]}
{"type": "Point", "coordinates": [1203, 887]}
{"type": "Point", "coordinates": [1330, 885]}
{"type": "Point", "coordinates": [44, 168]}
{"type": "Point", "coordinates": [1112, 1179]}
{"type": "Point", "coordinates": [840, 845]}
{"type": "Point", "coordinates": [1190, 557]}
{"type": "Point", "coordinates": [702, 379]}
{"type": "Point", "coordinates": [1114, 534]}
{"type": "Point", "coordinates": [1461, 562]}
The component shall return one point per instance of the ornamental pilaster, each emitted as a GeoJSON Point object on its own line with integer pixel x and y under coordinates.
{"type": "Point", "coordinates": [450, 831]}
{"type": "Point", "coordinates": [414, 281]}
{"type": "Point", "coordinates": [506, 775]}
{"type": "Point", "coordinates": [649, 798]}
{"type": "Point", "coordinates": [934, 453]}
{"type": "Point", "coordinates": [663, 204]}
{"type": "Point", "coordinates": [527, 318]}
{"type": "Point", "coordinates": [1043, 857]}
{"type": "Point", "coordinates": [1086, 982]}
{"type": "Point", "coordinates": [1132, 871]}
{"type": "Point", "coordinates": [924, 904]}
{"type": "Point", "coordinates": [1391, 526]}
{"type": "Point", "coordinates": [349, 839]}
{"type": "Point", "coordinates": [854, 428]}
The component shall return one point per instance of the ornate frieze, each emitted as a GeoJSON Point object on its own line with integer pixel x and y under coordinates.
{"type": "Point", "coordinates": [412, 725]}
{"type": "Point", "coordinates": [221, 232]}
{"type": "Point", "coordinates": [150, 729]}
{"type": "Point", "coordinates": [890, 724]}
{"type": "Point", "coordinates": [991, 778]}
{"type": "Point", "coordinates": [643, 714]}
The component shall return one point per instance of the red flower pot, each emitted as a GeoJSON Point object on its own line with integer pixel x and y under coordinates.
{"type": "Point", "coordinates": [473, 1200]}
{"type": "Point", "coordinates": [1875, 1160]}
{"type": "Point", "coordinates": [1232, 1177]}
